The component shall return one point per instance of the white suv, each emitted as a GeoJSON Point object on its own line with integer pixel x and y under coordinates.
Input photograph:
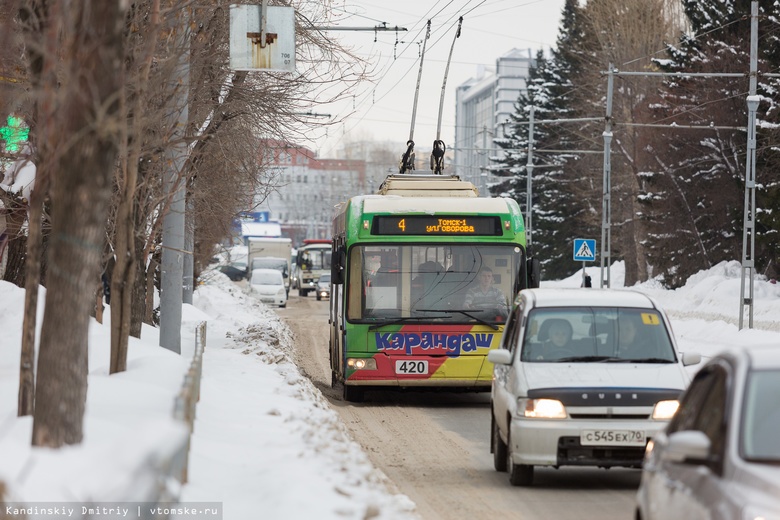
{"type": "Point", "coordinates": [583, 377]}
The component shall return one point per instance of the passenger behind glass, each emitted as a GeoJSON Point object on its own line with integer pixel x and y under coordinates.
{"type": "Point", "coordinates": [633, 339]}
{"type": "Point", "coordinates": [387, 274]}
{"type": "Point", "coordinates": [555, 336]}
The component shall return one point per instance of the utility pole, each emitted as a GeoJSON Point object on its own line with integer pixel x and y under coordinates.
{"type": "Point", "coordinates": [749, 220]}
{"type": "Point", "coordinates": [188, 275]}
{"type": "Point", "coordinates": [173, 243]}
{"type": "Point", "coordinates": [606, 195]}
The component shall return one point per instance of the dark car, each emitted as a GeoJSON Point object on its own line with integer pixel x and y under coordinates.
{"type": "Point", "coordinates": [235, 271]}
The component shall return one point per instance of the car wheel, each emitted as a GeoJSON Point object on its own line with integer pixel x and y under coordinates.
{"type": "Point", "coordinates": [497, 446]}
{"type": "Point", "coordinates": [319, 298]}
{"type": "Point", "coordinates": [283, 305]}
{"type": "Point", "coordinates": [303, 293]}
{"type": "Point", "coordinates": [519, 474]}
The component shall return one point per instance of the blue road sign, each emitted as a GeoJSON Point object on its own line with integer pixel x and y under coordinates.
{"type": "Point", "coordinates": [257, 216]}
{"type": "Point", "coordinates": [584, 250]}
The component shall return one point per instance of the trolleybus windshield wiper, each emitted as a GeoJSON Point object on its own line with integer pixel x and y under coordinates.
{"type": "Point", "coordinates": [465, 312]}
{"type": "Point", "coordinates": [396, 321]}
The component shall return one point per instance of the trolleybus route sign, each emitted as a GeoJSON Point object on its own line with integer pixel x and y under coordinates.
{"type": "Point", "coordinates": [437, 225]}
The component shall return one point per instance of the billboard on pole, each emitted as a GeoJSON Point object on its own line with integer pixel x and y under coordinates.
{"type": "Point", "coordinates": [274, 49]}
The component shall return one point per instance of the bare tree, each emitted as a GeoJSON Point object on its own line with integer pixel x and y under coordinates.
{"type": "Point", "coordinates": [82, 153]}
{"type": "Point", "coordinates": [229, 112]}
{"type": "Point", "coordinates": [626, 34]}
{"type": "Point", "coordinates": [101, 125]}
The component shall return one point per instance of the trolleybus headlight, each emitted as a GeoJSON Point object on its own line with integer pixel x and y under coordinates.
{"type": "Point", "coordinates": [541, 408]}
{"type": "Point", "coordinates": [665, 410]}
{"type": "Point", "coordinates": [361, 363]}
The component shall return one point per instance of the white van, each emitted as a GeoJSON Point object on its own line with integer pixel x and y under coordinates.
{"type": "Point", "coordinates": [268, 286]}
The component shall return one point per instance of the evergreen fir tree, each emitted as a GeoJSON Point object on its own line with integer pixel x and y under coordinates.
{"type": "Point", "coordinates": [557, 212]}
{"type": "Point", "coordinates": [697, 190]}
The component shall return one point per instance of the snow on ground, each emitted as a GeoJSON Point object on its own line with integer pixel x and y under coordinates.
{"type": "Point", "coordinates": [266, 443]}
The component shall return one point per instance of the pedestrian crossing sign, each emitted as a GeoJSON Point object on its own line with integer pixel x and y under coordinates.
{"type": "Point", "coordinates": [584, 250]}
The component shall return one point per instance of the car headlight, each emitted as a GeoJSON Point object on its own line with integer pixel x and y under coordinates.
{"type": "Point", "coordinates": [665, 410]}
{"type": "Point", "coordinates": [281, 291]}
{"type": "Point", "coordinates": [541, 408]}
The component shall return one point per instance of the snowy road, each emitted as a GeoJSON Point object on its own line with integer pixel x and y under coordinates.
{"type": "Point", "coordinates": [434, 446]}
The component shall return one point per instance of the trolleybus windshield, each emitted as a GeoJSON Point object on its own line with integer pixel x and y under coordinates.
{"type": "Point", "coordinates": [455, 283]}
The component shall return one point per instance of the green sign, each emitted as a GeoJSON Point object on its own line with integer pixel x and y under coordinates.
{"type": "Point", "coordinates": [14, 133]}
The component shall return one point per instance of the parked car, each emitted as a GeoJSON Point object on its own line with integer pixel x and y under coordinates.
{"type": "Point", "coordinates": [323, 287]}
{"type": "Point", "coordinates": [582, 378]}
{"type": "Point", "coordinates": [268, 286]}
{"type": "Point", "coordinates": [235, 271]}
{"type": "Point", "coordinates": [719, 458]}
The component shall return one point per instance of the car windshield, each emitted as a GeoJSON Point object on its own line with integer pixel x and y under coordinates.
{"type": "Point", "coordinates": [266, 278]}
{"type": "Point", "coordinates": [324, 279]}
{"type": "Point", "coordinates": [270, 262]}
{"type": "Point", "coordinates": [596, 334]}
{"type": "Point", "coordinates": [761, 420]}
{"type": "Point", "coordinates": [457, 283]}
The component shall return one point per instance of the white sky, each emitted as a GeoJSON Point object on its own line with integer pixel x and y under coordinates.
{"type": "Point", "coordinates": [383, 110]}
{"type": "Point", "coordinates": [265, 439]}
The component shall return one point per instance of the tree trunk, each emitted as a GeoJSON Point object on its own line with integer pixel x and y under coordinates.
{"type": "Point", "coordinates": [32, 281]}
{"type": "Point", "coordinates": [126, 251]}
{"type": "Point", "coordinates": [151, 272]}
{"type": "Point", "coordinates": [15, 216]}
{"type": "Point", "coordinates": [80, 190]}
{"type": "Point", "coordinates": [40, 68]}
{"type": "Point", "coordinates": [138, 311]}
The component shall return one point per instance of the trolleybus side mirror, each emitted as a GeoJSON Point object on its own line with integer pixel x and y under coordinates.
{"type": "Point", "coordinates": [337, 266]}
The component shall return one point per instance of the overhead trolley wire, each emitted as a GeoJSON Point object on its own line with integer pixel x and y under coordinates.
{"type": "Point", "coordinates": [365, 97]}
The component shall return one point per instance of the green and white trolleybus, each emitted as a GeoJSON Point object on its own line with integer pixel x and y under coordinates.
{"type": "Point", "coordinates": [407, 308]}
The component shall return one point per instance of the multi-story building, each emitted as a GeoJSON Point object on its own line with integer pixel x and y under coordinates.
{"type": "Point", "coordinates": [483, 106]}
{"type": "Point", "coordinates": [307, 189]}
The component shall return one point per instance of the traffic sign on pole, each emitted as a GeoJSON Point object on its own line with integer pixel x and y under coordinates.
{"type": "Point", "coordinates": [584, 250]}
